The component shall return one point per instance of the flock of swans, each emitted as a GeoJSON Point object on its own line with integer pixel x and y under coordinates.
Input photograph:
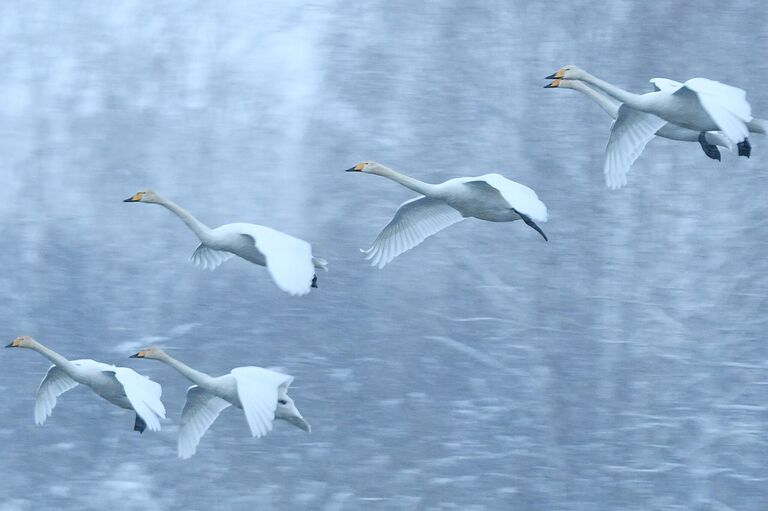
{"type": "Point", "coordinates": [699, 110]}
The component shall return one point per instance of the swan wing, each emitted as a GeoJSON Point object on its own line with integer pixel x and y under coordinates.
{"type": "Point", "coordinates": [630, 133]}
{"type": "Point", "coordinates": [55, 383]}
{"type": "Point", "coordinates": [209, 258]}
{"type": "Point", "coordinates": [143, 394]}
{"type": "Point", "coordinates": [289, 259]}
{"type": "Point", "coordinates": [257, 389]}
{"type": "Point", "coordinates": [662, 84]}
{"type": "Point", "coordinates": [414, 221]}
{"type": "Point", "coordinates": [727, 106]}
{"type": "Point", "coordinates": [200, 410]}
{"type": "Point", "coordinates": [519, 197]}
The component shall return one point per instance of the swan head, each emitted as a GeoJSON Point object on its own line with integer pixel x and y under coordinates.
{"type": "Point", "coordinates": [144, 196]}
{"type": "Point", "coordinates": [286, 409]}
{"type": "Point", "coordinates": [369, 167]}
{"type": "Point", "coordinates": [23, 341]}
{"type": "Point", "coordinates": [150, 352]}
{"type": "Point", "coordinates": [569, 72]}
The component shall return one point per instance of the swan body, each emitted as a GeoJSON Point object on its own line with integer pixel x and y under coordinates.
{"type": "Point", "coordinates": [120, 386]}
{"type": "Point", "coordinates": [261, 393]}
{"type": "Point", "coordinates": [698, 104]}
{"type": "Point", "coordinates": [669, 131]}
{"type": "Point", "coordinates": [289, 260]}
{"type": "Point", "coordinates": [490, 197]}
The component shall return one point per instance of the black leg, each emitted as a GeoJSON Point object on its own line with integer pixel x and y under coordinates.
{"type": "Point", "coordinates": [314, 281]}
{"type": "Point", "coordinates": [745, 148]}
{"type": "Point", "coordinates": [139, 425]}
{"type": "Point", "coordinates": [710, 150]}
{"type": "Point", "coordinates": [531, 223]}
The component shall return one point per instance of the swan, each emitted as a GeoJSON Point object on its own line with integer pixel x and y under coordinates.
{"type": "Point", "coordinates": [699, 104]}
{"type": "Point", "coordinates": [288, 259]}
{"type": "Point", "coordinates": [708, 140]}
{"type": "Point", "coordinates": [120, 386]}
{"type": "Point", "coordinates": [489, 197]}
{"type": "Point", "coordinates": [262, 394]}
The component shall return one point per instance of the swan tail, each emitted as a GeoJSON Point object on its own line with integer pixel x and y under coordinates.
{"type": "Point", "coordinates": [320, 264]}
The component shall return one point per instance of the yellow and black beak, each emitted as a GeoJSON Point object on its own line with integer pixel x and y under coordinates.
{"type": "Point", "coordinates": [14, 344]}
{"type": "Point", "coordinates": [557, 75]}
{"type": "Point", "coordinates": [140, 354]}
{"type": "Point", "coordinates": [555, 84]}
{"type": "Point", "coordinates": [357, 168]}
{"type": "Point", "coordinates": [135, 197]}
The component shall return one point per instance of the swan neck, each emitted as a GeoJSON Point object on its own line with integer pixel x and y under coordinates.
{"type": "Point", "coordinates": [609, 105]}
{"type": "Point", "coordinates": [407, 181]}
{"type": "Point", "coordinates": [613, 91]}
{"type": "Point", "coordinates": [202, 231]}
{"type": "Point", "coordinates": [193, 375]}
{"type": "Point", "coordinates": [54, 357]}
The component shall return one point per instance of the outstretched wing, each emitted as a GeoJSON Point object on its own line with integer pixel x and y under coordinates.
{"type": "Point", "coordinates": [200, 410]}
{"type": "Point", "coordinates": [727, 106]}
{"type": "Point", "coordinates": [257, 389]}
{"type": "Point", "coordinates": [289, 259]}
{"type": "Point", "coordinates": [414, 221]}
{"type": "Point", "coordinates": [630, 133]}
{"type": "Point", "coordinates": [55, 383]}
{"type": "Point", "coordinates": [143, 394]}
{"type": "Point", "coordinates": [209, 258]}
{"type": "Point", "coordinates": [661, 84]}
{"type": "Point", "coordinates": [518, 196]}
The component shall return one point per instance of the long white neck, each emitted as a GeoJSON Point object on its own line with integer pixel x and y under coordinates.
{"type": "Point", "coordinates": [193, 375]}
{"type": "Point", "coordinates": [610, 106]}
{"type": "Point", "coordinates": [407, 181]}
{"type": "Point", "coordinates": [202, 231]}
{"type": "Point", "coordinates": [616, 93]}
{"type": "Point", "coordinates": [54, 357]}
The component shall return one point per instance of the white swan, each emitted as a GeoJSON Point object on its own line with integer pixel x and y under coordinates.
{"type": "Point", "coordinates": [698, 104]}
{"type": "Point", "coordinates": [288, 259]}
{"type": "Point", "coordinates": [262, 394]}
{"type": "Point", "coordinates": [490, 197]}
{"type": "Point", "coordinates": [120, 386]}
{"type": "Point", "coordinates": [708, 140]}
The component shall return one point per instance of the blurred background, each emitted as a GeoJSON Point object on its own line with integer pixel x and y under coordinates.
{"type": "Point", "coordinates": [622, 365]}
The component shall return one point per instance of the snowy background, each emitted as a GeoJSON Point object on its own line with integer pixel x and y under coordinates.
{"type": "Point", "coordinates": [622, 365]}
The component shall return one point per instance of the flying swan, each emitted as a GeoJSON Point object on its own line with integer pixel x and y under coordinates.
{"type": "Point", "coordinates": [288, 259]}
{"type": "Point", "coordinates": [490, 197]}
{"type": "Point", "coordinates": [699, 104]}
{"type": "Point", "coordinates": [708, 140]}
{"type": "Point", "coordinates": [262, 394]}
{"type": "Point", "coordinates": [120, 386]}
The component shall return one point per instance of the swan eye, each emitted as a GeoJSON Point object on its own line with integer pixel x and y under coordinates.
{"type": "Point", "coordinates": [282, 401]}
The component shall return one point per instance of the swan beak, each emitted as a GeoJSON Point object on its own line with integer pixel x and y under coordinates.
{"type": "Point", "coordinates": [555, 84]}
{"type": "Point", "coordinates": [557, 75]}
{"type": "Point", "coordinates": [357, 168]}
{"type": "Point", "coordinates": [134, 198]}
{"type": "Point", "coordinates": [140, 354]}
{"type": "Point", "coordinates": [14, 344]}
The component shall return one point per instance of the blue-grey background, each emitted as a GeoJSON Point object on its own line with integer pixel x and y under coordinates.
{"type": "Point", "coordinates": [622, 365]}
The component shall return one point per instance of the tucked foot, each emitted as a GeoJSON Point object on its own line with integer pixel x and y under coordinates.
{"type": "Point", "coordinates": [745, 148]}
{"type": "Point", "coordinates": [139, 425]}
{"type": "Point", "coordinates": [531, 224]}
{"type": "Point", "coordinates": [314, 281]}
{"type": "Point", "coordinates": [710, 150]}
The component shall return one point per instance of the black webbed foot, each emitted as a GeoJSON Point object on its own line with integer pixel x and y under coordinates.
{"type": "Point", "coordinates": [531, 224]}
{"type": "Point", "coordinates": [139, 425]}
{"type": "Point", "coordinates": [710, 150]}
{"type": "Point", "coordinates": [314, 281]}
{"type": "Point", "coordinates": [745, 148]}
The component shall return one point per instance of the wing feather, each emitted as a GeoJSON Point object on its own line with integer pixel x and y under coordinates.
{"type": "Point", "coordinates": [257, 389]}
{"type": "Point", "coordinates": [630, 133]}
{"type": "Point", "coordinates": [414, 221]}
{"type": "Point", "coordinates": [200, 411]}
{"type": "Point", "coordinates": [289, 259]}
{"type": "Point", "coordinates": [726, 105]}
{"type": "Point", "coordinates": [208, 258]}
{"type": "Point", "coordinates": [143, 394]}
{"type": "Point", "coordinates": [55, 383]}
{"type": "Point", "coordinates": [518, 196]}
